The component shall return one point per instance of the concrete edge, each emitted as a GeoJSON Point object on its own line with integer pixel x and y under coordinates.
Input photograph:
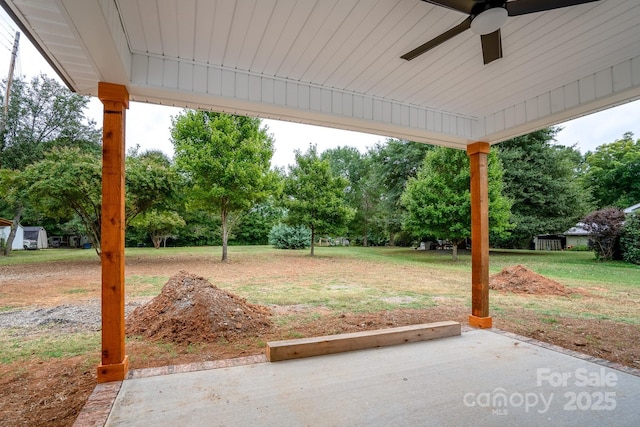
{"type": "Point", "coordinates": [586, 357]}
{"type": "Point", "coordinates": [197, 366]}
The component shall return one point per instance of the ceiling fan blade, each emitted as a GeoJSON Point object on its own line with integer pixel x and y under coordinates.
{"type": "Point", "coordinates": [491, 46]}
{"type": "Point", "coordinates": [523, 7]}
{"type": "Point", "coordinates": [464, 6]}
{"type": "Point", "coordinates": [461, 27]}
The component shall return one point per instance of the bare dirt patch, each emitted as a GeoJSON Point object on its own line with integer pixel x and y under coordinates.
{"type": "Point", "coordinates": [520, 280]}
{"type": "Point", "coordinates": [45, 393]}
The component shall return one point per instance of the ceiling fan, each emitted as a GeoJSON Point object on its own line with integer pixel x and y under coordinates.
{"type": "Point", "coordinates": [485, 18]}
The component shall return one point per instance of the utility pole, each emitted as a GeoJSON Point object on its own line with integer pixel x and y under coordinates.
{"type": "Point", "coordinates": [12, 66]}
{"type": "Point", "coordinates": [3, 121]}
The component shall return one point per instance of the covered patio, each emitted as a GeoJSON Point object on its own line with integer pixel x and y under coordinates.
{"type": "Point", "coordinates": [481, 377]}
{"type": "Point", "coordinates": [343, 64]}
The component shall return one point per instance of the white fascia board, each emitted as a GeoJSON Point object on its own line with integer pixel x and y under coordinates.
{"type": "Point", "coordinates": [204, 86]}
{"type": "Point", "coordinates": [607, 88]}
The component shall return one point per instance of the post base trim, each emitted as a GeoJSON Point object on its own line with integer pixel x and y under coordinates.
{"type": "Point", "coordinates": [113, 372]}
{"type": "Point", "coordinates": [480, 322]}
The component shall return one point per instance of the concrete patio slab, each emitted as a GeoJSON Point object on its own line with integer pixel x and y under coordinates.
{"type": "Point", "coordinates": [480, 378]}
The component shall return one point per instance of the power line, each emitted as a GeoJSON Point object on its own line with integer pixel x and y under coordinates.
{"type": "Point", "coordinates": [3, 44]}
{"type": "Point", "coordinates": [9, 23]}
{"type": "Point", "coordinates": [6, 35]}
{"type": "Point", "coordinates": [6, 42]}
{"type": "Point", "coordinates": [6, 25]}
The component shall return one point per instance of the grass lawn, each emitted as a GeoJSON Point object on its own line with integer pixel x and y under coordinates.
{"type": "Point", "coordinates": [355, 279]}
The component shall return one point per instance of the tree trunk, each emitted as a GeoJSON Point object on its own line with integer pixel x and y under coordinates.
{"type": "Point", "coordinates": [313, 239]}
{"type": "Point", "coordinates": [454, 250]}
{"type": "Point", "coordinates": [156, 241]}
{"type": "Point", "coordinates": [225, 234]}
{"type": "Point", "coordinates": [392, 238]}
{"type": "Point", "coordinates": [14, 228]}
{"type": "Point", "coordinates": [364, 234]}
{"type": "Point", "coordinates": [93, 231]}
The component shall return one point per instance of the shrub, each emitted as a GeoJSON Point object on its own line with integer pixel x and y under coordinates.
{"type": "Point", "coordinates": [605, 225]}
{"type": "Point", "coordinates": [630, 240]}
{"type": "Point", "coordinates": [284, 236]}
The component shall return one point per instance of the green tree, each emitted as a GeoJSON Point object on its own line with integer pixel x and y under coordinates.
{"type": "Point", "coordinates": [42, 114]}
{"type": "Point", "coordinates": [151, 182]}
{"type": "Point", "coordinates": [393, 164]}
{"type": "Point", "coordinates": [68, 182]}
{"type": "Point", "coordinates": [438, 199]}
{"type": "Point", "coordinates": [226, 161]}
{"type": "Point", "coordinates": [202, 228]}
{"type": "Point", "coordinates": [630, 239]}
{"type": "Point", "coordinates": [542, 180]}
{"type": "Point", "coordinates": [257, 222]}
{"type": "Point", "coordinates": [159, 225]}
{"type": "Point", "coordinates": [65, 182]}
{"type": "Point", "coordinates": [363, 192]}
{"type": "Point", "coordinates": [315, 197]}
{"type": "Point", "coordinates": [613, 172]}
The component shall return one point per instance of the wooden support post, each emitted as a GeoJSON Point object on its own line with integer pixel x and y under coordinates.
{"type": "Point", "coordinates": [115, 362]}
{"type": "Point", "coordinates": [479, 235]}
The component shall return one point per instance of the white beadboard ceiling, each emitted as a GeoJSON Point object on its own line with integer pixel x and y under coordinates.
{"type": "Point", "coordinates": [337, 62]}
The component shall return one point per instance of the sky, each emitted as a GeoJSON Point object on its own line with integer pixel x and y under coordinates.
{"type": "Point", "coordinates": [149, 125]}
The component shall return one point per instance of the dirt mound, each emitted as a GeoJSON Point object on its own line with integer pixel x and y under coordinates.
{"type": "Point", "coordinates": [191, 309]}
{"type": "Point", "coordinates": [520, 280]}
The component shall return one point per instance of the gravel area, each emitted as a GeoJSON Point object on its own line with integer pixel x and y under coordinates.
{"type": "Point", "coordinates": [67, 317]}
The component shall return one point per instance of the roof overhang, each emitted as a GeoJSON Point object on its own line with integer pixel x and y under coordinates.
{"type": "Point", "coordinates": [337, 63]}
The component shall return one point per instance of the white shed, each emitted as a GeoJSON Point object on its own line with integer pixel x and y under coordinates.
{"type": "Point", "coordinates": [38, 235]}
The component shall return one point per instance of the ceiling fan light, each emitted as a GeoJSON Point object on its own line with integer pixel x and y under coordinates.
{"type": "Point", "coordinates": [489, 21]}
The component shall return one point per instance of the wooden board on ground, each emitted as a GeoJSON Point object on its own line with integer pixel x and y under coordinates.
{"type": "Point", "coordinates": [317, 346]}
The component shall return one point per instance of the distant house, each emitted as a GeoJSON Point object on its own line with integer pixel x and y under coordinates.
{"type": "Point", "coordinates": [579, 236]}
{"type": "Point", "coordinates": [5, 229]}
{"type": "Point", "coordinates": [37, 237]}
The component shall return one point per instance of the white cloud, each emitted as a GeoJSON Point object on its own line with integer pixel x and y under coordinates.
{"type": "Point", "coordinates": [604, 127]}
{"type": "Point", "coordinates": [295, 136]}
